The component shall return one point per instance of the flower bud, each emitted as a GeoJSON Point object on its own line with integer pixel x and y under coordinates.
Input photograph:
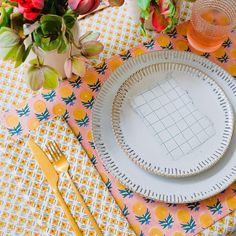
{"type": "Point", "coordinates": [116, 3]}
{"type": "Point", "coordinates": [83, 7]}
{"type": "Point", "coordinates": [92, 48]}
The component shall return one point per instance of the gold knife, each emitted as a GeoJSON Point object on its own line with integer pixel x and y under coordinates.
{"type": "Point", "coordinates": [52, 178]}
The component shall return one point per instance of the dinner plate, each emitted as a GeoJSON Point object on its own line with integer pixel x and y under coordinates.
{"type": "Point", "coordinates": [172, 119]}
{"type": "Point", "coordinates": [172, 190]}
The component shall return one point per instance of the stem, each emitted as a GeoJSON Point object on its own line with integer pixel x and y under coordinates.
{"type": "Point", "coordinates": [70, 50]}
{"type": "Point", "coordinates": [71, 39]}
{"type": "Point", "coordinates": [39, 63]}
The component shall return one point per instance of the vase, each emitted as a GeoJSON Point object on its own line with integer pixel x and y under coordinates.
{"type": "Point", "coordinates": [57, 60]}
{"type": "Point", "coordinates": [133, 10]}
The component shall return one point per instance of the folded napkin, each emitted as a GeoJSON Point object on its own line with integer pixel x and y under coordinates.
{"type": "Point", "coordinates": [33, 208]}
{"type": "Point", "coordinates": [170, 114]}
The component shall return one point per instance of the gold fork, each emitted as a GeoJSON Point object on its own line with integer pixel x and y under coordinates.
{"type": "Point", "coordinates": [62, 166]}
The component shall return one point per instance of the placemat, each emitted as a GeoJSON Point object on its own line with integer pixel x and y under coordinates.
{"type": "Point", "coordinates": [74, 100]}
{"type": "Point", "coordinates": [31, 208]}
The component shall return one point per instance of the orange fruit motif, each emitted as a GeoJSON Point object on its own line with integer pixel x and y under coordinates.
{"type": "Point", "coordinates": [33, 123]}
{"type": "Point", "coordinates": [182, 29]}
{"type": "Point", "coordinates": [139, 208]}
{"type": "Point", "coordinates": [39, 106]}
{"type": "Point", "coordinates": [183, 216]}
{"type": "Point", "coordinates": [59, 109]}
{"type": "Point", "coordinates": [120, 185]}
{"type": "Point", "coordinates": [79, 114]}
{"type": "Point", "coordinates": [177, 234]}
{"type": "Point", "coordinates": [232, 70]}
{"type": "Point", "coordinates": [85, 96]}
{"type": "Point", "coordinates": [205, 220]}
{"type": "Point", "coordinates": [90, 77]}
{"type": "Point", "coordinates": [210, 201]}
{"type": "Point", "coordinates": [65, 92]}
{"type": "Point", "coordinates": [163, 40]}
{"type": "Point", "coordinates": [12, 121]}
{"type": "Point", "coordinates": [233, 54]}
{"type": "Point", "coordinates": [219, 52]}
{"type": "Point", "coordinates": [154, 231]}
{"type": "Point", "coordinates": [231, 202]}
{"type": "Point", "coordinates": [138, 51]}
{"type": "Point", "coordinates": [115, 63]}
{"type": "Point", "coordinates": [161, 212]}
{"type": "Point", "coordinates": [90, 136]}
{"type": "Point", "coordinates": [181, 45]}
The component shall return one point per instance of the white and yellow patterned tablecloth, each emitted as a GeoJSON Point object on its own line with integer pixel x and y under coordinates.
{"type": "Point", "coordinates": [19, 213]}
{"type": "Point", "coordinates": [30, 205]}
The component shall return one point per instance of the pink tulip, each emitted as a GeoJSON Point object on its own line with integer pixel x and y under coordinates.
{"type": "Point", "coordinates": [83, 7]}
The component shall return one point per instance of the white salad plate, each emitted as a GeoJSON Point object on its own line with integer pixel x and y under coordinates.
{"type": "Point", "coordinates": [172, 119]}
{"type": "Point", "coordinates": [172, 190]}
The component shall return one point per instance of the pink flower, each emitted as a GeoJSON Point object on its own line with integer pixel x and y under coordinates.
{"type": "Point", "coordinates": [30, 9]}
{"type": "Point", "coordinates": [158, 20]}
{"type": "Point", "coordinates": [83, 7]}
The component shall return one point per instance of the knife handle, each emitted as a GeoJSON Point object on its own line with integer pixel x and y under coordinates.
{"type": "Point", "coordinates": [67, 212]}
{"type": "Point", "coordinates": [86, 209]}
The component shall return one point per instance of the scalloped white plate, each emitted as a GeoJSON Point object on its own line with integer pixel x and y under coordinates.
{"type": "Point", "coordinates": [172, 120]}
{"type": "Point", "coordinates": [172, 190]}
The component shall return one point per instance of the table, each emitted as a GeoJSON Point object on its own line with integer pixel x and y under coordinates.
{"type": "Point", "coordinates": [118, 33]}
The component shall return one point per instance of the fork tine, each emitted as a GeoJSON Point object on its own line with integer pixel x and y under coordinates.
{"type": "Point", "coordinates": [50, 145]}
{"type": "Point", "coordinates": [50, 153]}
{"type": "Point", "coordinates": [58, 148]}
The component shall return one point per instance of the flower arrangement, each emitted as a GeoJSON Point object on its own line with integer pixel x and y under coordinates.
{"type": "Point", "coordinates": [41, 26]}
{"type": "Point", "coordinates": [160, 15]}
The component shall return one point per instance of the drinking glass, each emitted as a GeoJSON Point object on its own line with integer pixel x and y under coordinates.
{"type": "Point", "coordinates": [211, 23]}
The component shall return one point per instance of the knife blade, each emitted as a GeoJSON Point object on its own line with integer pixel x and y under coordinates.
{"type": "Point", "coordinates": [44, 163]}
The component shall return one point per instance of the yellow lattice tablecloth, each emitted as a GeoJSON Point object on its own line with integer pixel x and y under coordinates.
{"type": "Point", "coordinates": [119, 33]}
{"type": "Point", "coordinates": [27, 202]}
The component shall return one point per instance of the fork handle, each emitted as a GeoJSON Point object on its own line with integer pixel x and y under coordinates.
{"type": "Point", "coordinates": [67, 212]}
{"type": "Point", "coordinates": [86, 209]}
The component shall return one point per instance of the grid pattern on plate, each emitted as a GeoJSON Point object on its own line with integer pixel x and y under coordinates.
{"type": "Point", "coordinates": [172, 117]}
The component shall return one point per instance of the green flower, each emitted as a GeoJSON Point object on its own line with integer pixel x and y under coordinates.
{"type": "Point", "coordinates": [39, 76]}
{"type": "Point", "coordinates": [12, 46]}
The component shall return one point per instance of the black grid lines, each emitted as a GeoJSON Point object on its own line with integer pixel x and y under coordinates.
{"type": "Point", "coordinates": [173, 119]}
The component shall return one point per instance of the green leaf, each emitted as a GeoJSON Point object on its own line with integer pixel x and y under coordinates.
{"type": "Point", "coordinates": [5, 16]}
{"type": "Point", "coordinates": [144, 4]}
{"type": "Point", "coordinates": [63, 45]}
{"type": "Point", "coordinates": [50, 24]}
{"type": "Point", "coordinates": [8, 37]}
{"type": "Point", "coordinates": [19, 55]}
{"type": "Point", "coordinates": [145, 14]}
{"type": "Point", "coordinates": [17, 22]}
{"type": "Point", "coordinates": [51, 77]}
{"type": "Point", "coordinates": [70, 20]}
{"type": "Point", "coordinates": [27, 51]}
{"type": "Point", "coordinates": [35, 77]}
{"type": "Point", "coordinates": [78, 66]}
{"type": "Point", "coordinates": [11, 55]}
